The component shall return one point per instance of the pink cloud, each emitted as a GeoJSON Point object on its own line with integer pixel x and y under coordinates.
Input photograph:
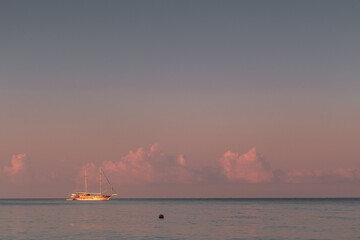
{"type": "Point", "coordinates": [149, 166]}
{"type": "Point", "coordinates": [19, 170]}
{"type": "Point", "coordinates": [181, 160]}
{"type": "Point", "coordinates": [318, 176]}
{"type": "Point", "coordinates": [18, 164]}
{"type": "Point", "coordinates": [348, 173]}
{"type": "Point", "coordinates": [250, 167]}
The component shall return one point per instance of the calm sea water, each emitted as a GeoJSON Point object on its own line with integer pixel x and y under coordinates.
{"type": "Point", "coordinates": [184, 219]}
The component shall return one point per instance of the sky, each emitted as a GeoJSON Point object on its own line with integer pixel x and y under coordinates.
{"type": "Point", "coordinates": [180, 98]}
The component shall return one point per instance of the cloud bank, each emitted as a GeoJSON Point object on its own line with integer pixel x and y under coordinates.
{"type": "Point", "coordinates": [149, 166]}
{"type": "Point", "coordinates": [252, 167]}
{"type": "Point", "coordinates": [339, 175]}
{"type": "Point", "coordinates": [153, 166]}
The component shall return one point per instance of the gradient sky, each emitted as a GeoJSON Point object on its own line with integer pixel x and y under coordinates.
{"type": "Point", "coordinates": [181, 98]}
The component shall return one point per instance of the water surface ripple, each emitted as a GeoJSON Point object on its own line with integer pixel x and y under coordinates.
{"type": "Point", "coordinates": [184, 219]}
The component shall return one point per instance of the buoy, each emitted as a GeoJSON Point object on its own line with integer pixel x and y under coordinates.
{"type": "Point", "coordinates": [161, 216]}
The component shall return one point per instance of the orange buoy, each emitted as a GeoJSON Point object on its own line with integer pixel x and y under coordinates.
{"type": "Point", "coordinates": [161, 216]}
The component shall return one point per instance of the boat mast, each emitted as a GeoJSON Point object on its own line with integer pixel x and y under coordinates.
{"type": "Point", "coordinates": [100, 178]}
{"type": "Point", "coordinates": [85, 181]}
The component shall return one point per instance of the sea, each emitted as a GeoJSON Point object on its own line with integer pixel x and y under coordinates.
{"type": "Point", "coordinates": [183, 219]}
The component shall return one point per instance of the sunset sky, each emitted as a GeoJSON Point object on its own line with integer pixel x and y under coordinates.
{"type": "Point", "coordinates": [180, 98]}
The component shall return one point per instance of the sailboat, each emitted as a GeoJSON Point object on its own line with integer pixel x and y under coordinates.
{"type": "Point", "coordinates": [87, 196]}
